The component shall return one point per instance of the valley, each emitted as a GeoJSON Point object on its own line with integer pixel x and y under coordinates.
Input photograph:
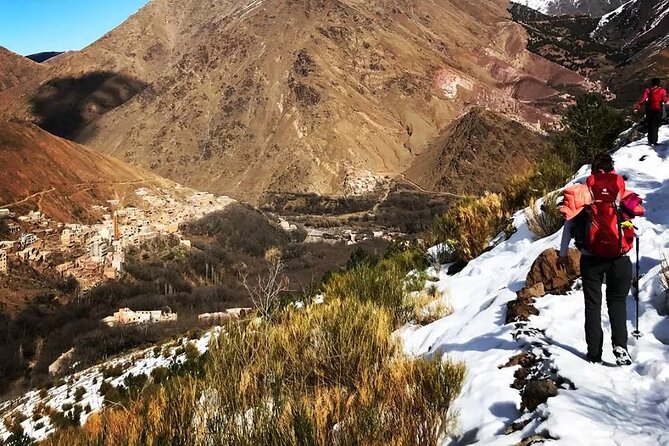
{"type": "Point", "coordinates": [288, 222]}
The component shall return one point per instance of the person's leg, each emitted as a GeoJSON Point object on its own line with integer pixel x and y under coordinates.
{"type": "Point", "coordinates": [618, 283]}
{"type": "Point", "coordinates": [592, 274]}
{"type": "Point", "coordinates": [654, 121]}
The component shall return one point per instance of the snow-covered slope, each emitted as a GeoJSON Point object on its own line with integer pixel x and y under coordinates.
{"type": "Point", "coordinates": [599, 404]}
{"type": "Point", "coordinates": [34, 406]}
{"type": "Point", "coordinates": [637, 23]}
{"type": "Point", "coordinates": [595, 8]}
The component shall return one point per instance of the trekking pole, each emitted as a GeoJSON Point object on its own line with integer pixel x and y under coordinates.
{"type": "Point", "coordinates": [636, 333]}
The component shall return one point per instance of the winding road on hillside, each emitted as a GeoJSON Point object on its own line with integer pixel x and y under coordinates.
{"type": "Point", "coordinates": [82, 185]}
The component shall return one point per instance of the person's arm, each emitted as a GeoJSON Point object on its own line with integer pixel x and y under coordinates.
{"type": "Point", "coordinates": [643, 100]}
{"type": "Point", "coordinates": [566, 237]}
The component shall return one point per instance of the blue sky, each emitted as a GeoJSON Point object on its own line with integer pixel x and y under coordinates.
{"type": "Point", "coordinates": [33, 26]}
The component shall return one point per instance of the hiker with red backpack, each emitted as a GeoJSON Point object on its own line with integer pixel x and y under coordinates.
{"type": "Point", "coordinates": [598, 217]}
{"type": "Point", "coordinates": [654, 97]}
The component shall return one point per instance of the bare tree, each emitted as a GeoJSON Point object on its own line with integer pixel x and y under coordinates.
{"type": "Point", "coordinates": [265, 294]}
{"type": "Point", "coordinates": [267, 290]}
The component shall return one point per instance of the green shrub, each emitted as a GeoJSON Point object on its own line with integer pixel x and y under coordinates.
{"type": "Point", "coordinates": [61, 420]}
{"type": "Point", "coordinates": [549, 174]}
{"type": "Point", "coordinates": [79, 393]}
{"type": "Point", "coordinates": [383, 284]}
{"type": "Point", "coordinates": [593, 126]}
{"type": "Point", "coordinates": [192, 352]}
{"type": "Point", "coordinates": [160, 374]}
{"type": "Point", "coordinates": [112, 371]}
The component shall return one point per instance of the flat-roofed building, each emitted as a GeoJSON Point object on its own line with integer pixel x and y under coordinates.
{"type": "Point", "coordinates": [3, 262]}
{"type": "Point", "coordinates": [126, 316]}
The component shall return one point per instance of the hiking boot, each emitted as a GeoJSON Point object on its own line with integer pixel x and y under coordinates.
{"type": "Point", "coordinates": [593, 360]}
{"type": "Point", "coordinates": [622, 356]}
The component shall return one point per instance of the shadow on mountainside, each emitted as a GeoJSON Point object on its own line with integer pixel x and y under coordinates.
{"type": "Point", "coordinates": [65, 105]}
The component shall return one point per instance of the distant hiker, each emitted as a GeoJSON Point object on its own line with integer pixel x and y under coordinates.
{"type": "Point", "coordinates": [597, 217]}
{"type": "Point", "coordinates": [654, 97]}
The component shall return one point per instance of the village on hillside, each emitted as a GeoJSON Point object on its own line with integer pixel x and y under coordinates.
{"type": "Point", "coordinates": [94, 253]}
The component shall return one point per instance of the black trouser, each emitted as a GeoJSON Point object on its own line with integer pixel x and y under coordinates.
{"type": "Point", "coordinates": [618, 275]}
{"type": "Point", "coordinates": [654, 119]}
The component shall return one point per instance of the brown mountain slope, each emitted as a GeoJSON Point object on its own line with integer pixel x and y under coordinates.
{"type": "Point", "coordinates": [15, 69]}
{"type": "Point", "coordinates": [476, 153]}
{"type": "Point", "coordinates": [60, 178]}
{"type": "Point", "coordinates": [242, 97]}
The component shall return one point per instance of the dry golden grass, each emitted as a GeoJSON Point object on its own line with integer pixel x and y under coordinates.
{"type": "Point", "coordinates": [428, 307]}
{"type": "Point", "coordinates": [546, 219]}
{"type": "Point", "coordinates": [469, 225]}
{"type": "Point", "coordinates": [330, 374]}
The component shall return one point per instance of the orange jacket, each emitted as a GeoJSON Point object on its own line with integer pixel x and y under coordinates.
{"type": "Point", "coordinates": [575, 198]}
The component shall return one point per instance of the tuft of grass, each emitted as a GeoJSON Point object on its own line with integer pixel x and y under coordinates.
{"type": "Point", "coordinates": [384, 283]}
{"type": "Point", "coordinates": [469, 226]}
{"type": "Point", "coordinates": [429, 306]}
{"type": "Point", "coordinates": [546, 219]}
{"type": "Point", "coordinates": [549, 174]}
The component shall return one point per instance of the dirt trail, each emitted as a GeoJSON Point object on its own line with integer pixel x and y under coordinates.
{"type": "Point", "coordinates": [82, 185]}
{"type": "Point", "coordinates": [36, 194]}
{"type": "Point", "coordinates": [447, 194]}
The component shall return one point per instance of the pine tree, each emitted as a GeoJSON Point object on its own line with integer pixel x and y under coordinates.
{"type": "Point", "coordinates": [592, 126]}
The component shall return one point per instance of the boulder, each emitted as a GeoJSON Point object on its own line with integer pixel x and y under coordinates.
{"type": "Point", "coordinates": [529, 292]}
{"type": "Point", "coordinates": [525, 360]}
{"type": "Point", "coordinates": [555, 280]}
{"type": "Point", "coordinates": [520, 310]}
{"type": "Point", "coordinates": [537, 392]}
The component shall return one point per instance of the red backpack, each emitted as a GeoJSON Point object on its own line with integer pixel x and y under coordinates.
{"type": "Point", "coordinates": [657, 96]}
{"type": "Point", "coordinates": [607, 233]}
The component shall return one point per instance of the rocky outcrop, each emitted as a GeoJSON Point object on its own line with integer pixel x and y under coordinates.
{"type": "Point", "coordinates": [545, 277]}
{"type": "Point", "coordinates": [554, 279]}
{"type": "Point", "coordinates": [537, 392]}
{"type": "Point", "coordinates": [520, 310]}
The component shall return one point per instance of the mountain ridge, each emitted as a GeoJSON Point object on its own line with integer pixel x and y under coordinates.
{"type": "Point", "coordinates": [285, 95]}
